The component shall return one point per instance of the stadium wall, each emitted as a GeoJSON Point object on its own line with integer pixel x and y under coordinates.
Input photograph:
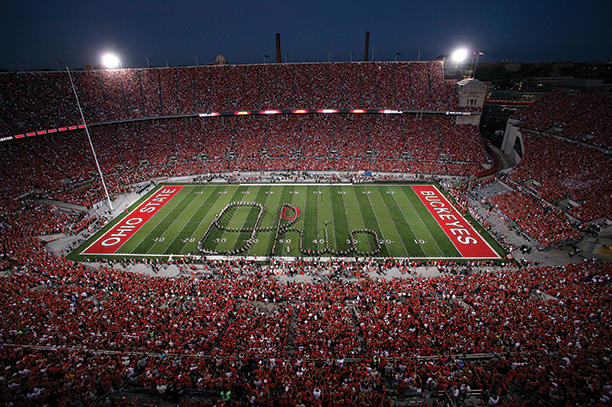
{"type": "Point", "coordinates": [513, 141]}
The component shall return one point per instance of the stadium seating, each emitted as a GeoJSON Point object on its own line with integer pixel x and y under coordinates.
{"type": "Point", "coordinates": [77, 336]}
{"type": "Point", "coordinates": [118, 333]}
{"type": "Point", "coordinates": [565, 170]}
{"type": "Point", "coordinates": [579, 115]}
{"type": "Point", "coordinates": [110, 95]}
{"type": "Point", "coordinates": [131, 152]}
{"type": "Point", "coordinates": [537, 221]}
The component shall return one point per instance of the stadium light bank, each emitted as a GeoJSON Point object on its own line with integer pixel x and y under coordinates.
{"type": "Point", "coordinates": [111, 61]}
{"type": "Point", "coordinates": [459, 55]}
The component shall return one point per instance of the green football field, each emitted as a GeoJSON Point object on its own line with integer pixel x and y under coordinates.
{"type": "Point", "coordinates": [289, 220]}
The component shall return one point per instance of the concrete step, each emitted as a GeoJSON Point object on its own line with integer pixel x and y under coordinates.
{"type": "Point", "coordinates": [63, 205]}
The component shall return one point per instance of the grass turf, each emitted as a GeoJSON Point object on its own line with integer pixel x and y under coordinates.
{"type": "Point", "coordinates": [374, 220]}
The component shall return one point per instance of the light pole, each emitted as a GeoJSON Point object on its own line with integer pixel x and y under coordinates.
{"type": "Point", "coordinates": [93, 150]}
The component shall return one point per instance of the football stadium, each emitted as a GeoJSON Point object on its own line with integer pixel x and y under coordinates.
{"type": "Point", "coordinates": [300, 234]}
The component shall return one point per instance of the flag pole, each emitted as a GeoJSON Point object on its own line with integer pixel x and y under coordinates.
{"type": "Point", "coordinates": [472, 64]}
{"type": "Point", "coordinates": [476, 65]}
{"type": "Point", "coordinates": [110, 204]}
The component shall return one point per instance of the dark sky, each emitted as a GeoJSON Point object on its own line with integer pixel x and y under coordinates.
{"type": "Point", "coordinates": [41, 32]}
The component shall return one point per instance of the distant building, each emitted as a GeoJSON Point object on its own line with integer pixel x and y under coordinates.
{"type": "Point", "coordinates": [513, 67]}
{"type": "Point", "coordinates": [220, 60]}
{"type": "Point", "coordinates": [541, 83]}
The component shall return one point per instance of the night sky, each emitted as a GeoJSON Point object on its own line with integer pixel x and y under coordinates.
{"type": "Point", "coordinates": [176, 32]}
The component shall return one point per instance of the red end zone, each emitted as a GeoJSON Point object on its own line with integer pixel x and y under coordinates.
{"type": "Point", "coordinates": [113, 239]}
{"type": "Point", "coordinates": [465, 238]}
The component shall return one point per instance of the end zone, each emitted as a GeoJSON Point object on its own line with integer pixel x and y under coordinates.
{"type": "Point", "coordinates": [464, 237]}
{"type": "Point", "coordinates": [116, 236]}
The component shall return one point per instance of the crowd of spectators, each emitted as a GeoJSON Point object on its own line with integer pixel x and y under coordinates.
{"type": "Point", "coordinates": [61, 166]}
{"type": "Point", "coordinates": [71, 334]}
{"type": "Point", "coordinates": [578, 115]}
{"type": "Point", "coordinates": [563, 170]}
{"type": "Point", "coordinates": [35, 101]}
{"type": "Point", "coordinates": [540, 222]}
{"type": "Point", "coordinates": [51, 220]}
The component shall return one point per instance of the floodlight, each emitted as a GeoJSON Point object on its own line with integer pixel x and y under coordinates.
{"type": "Point", "coordinates": [459, 55]}
{"type": "Point", "coordinates": [111, 61]}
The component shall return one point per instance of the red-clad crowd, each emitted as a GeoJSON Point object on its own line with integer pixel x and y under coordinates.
{"type": "Point", "coordinates": [62, 166]}
{"type": "Point", "coordinates": [563, 170]}
{"type": "Point", "coordinates": [538, 221]}
{"type": "Point", "coordinates": [71, 334]}
{"type": "Point", "coordinates": [35, 101]}
{"type": "Point", "coordinates": [578, 115]}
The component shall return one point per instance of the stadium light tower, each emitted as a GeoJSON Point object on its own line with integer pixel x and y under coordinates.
{"type": "Point", "coordinates": [111, 61]}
